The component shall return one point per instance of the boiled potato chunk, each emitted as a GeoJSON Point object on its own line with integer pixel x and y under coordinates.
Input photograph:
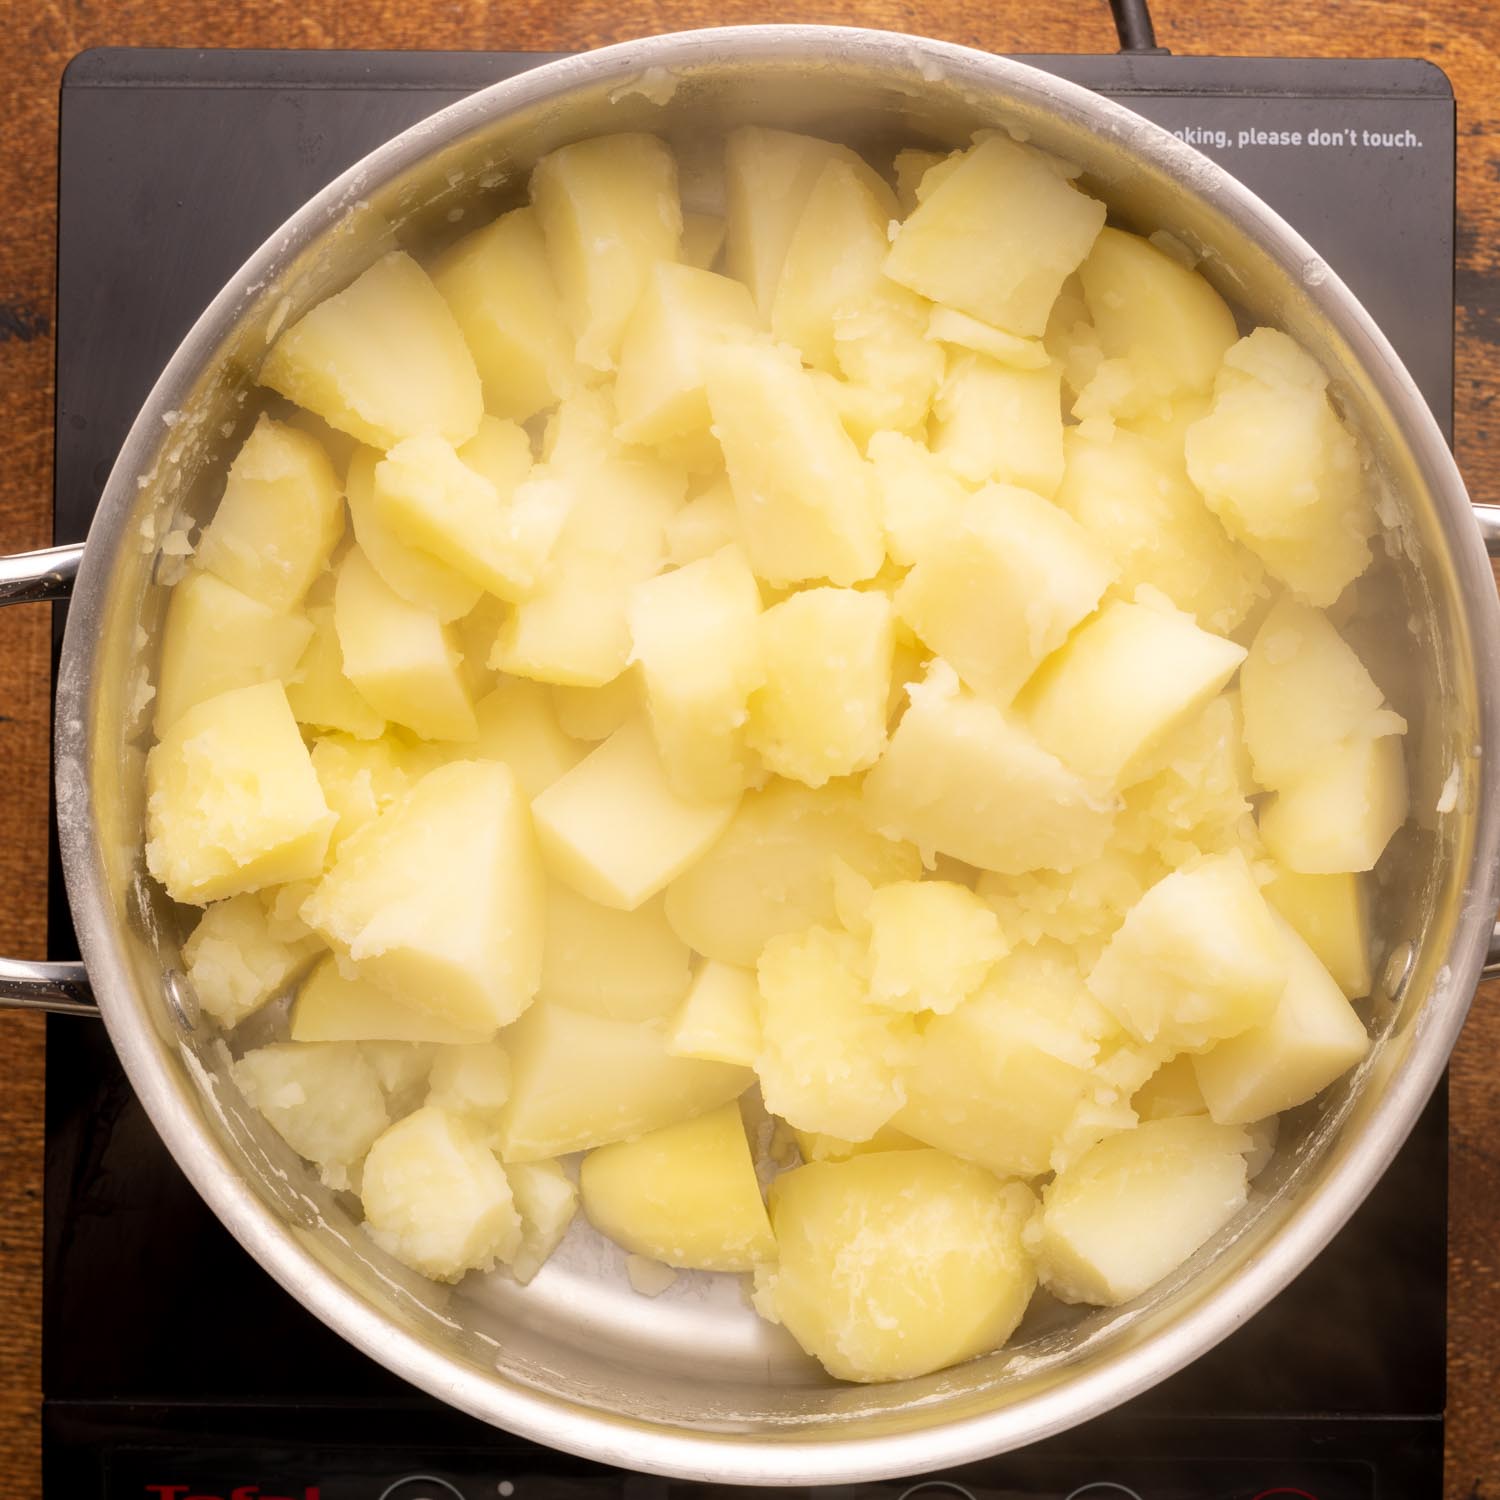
{"type": "Point", "coordinates": [546, 1200]}
{"type": "Point", "coordinates": [992, 422]}
{"type": "Point", "coordinates": [946, 325]}
{"type": "Point", "coordinates": [659, 390]}
{"type": "Point", "coordinates": [399, 657]}
{"type": "Point", "coordinates": [821, 711]}
{"type": "Point", "coordinates": [594, 713]}
{"type": "Point", "coordinates": [931, 944]}
{"type": "Point", "coordinates": [402, 1069]}
{"type": "Point", "coordinates": [996, 237]}
{"type": "Point", "coordinates": [1303, 691]}
{"type": "Point", "coordinates": [1123, 683]}
{"type": "Point", "coordinates": [960, 778]}
{"type": "Point", "coordinates": [574, 628]}
{"type": "Point", "coordinates": [685, 1195]}
{"type": "Point", "coordinates": [279, 519]}
{"type": "Point", "coordinates": [440, 901]}
{"type": "Point", "coordinates": [1161, 315]}
{"type": "Point", "coordinates": [895, 1264]}
{"type": "Point", "coordinates": [696, 636]}
{"type": "Point", "coordinates": [628, 965]}
{"type": "Point", "coordinates": [232, 801]}
{"type": "Point", "coordinates": [235, 962]}
{"type": "Point", "coordinates": [322, 1098]}
{"type": "Point", "coordinates": [497, 538]}
{"type": "Point", "coordinates": [317, 689]}
{"type": "Point", "coordinates": [772, 871]}
{"type": "Point", "coordinates": [1196, 960]}
{"type": "Point", "coordinates": [720, 1018]}
{"type": "Point", "coordinates": [500, 289]}
{"type": "Point", "coordinates": [1171, 1092]}
{"type": "Point", "coordinates": [1135, 500]}
{"type": "Point", "coordinates": [381, 360]}
{"type": "Point", "coordinates": [769, 175]}
{"type": "Point", "coordinates": [807, 502]}
{"type": "Point", "coordinates": [215, 638]}
{"type": "Point", "coordinates": [1002, 590]}
{"type": "Point", "coordinates": [830, 1061]}
{"type": "Point", "coordinates": [921, 500]}
{"type": "Point", "coordinates": [614, 829]}
{"type": "Point", "coordinates": [1298, 503]}
{"type": "Point", "coordinates": [518, 725]}
{"type": "Point", "coordinates": [360, 779]}
{"type": "Point", "coordinates": [1135, 1207]}
{"type": "Point", "coordinates": [1312, 1037]}
{"type": "Point", "coordinates": [472, 1081]}
{"type": "Point", "coordinates": [992, 1083]}
{"type": "Point", "coordinates": [706, 523]}
{"type": "Point", "coordinates": [332, 1008]}
{"type": "Point", "coordinates": [1339, 815]}
{"type": "Point", "coordinates": [580, 1081]}
{"type": "Point", "coordinates": [1331, 914]}
{"type": "Point", "coordinates": [608, 209]}
{"type": "Point", "coordinates": [832, 264]}
{"type": "Point", "coordinates": [436, 1198]}
{"type": "Point", "coordinates": [417, 576]}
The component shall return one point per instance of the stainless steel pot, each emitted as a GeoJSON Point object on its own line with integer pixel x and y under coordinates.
{"type": "Point", "coordinates": [694, 1384]}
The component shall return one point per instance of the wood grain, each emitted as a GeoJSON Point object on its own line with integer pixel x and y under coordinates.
{"type": "Point", "coordinates": [1462, 36]}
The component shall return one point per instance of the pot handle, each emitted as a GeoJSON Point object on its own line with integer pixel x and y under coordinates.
{"type": "Point", "coordinates": [63, 988]}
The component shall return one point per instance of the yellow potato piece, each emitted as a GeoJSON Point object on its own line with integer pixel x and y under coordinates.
{"type": "Point", "coordinates": [895, 1264]}
{"type": "Point", "coordinates": [921, 500]}
{"type": "Point", "coordinates": [1003, 588]}
{"type": "Point", "coordinates": [1303, 691]}
{"type": "Point", "coordinates": [381, 360]}
{"type": "Point", "coordinates": [720, 1018]}
{"type": "Point", "coordinates": [360, 779]}
{"type": "Point", "coordinates": [995, 236]}
{"type": "Point", "coordinates": [608, 209]}
{"type": "Point", "coordinates": [1122, 685]}
{"type": "Point", "coordinates": [319, 693]}
{"type": "Point", "coordinates": [331, 1008]}
{"type": "Point", "coordinates": [614, 829]}
{"type": "Point", "coordinates": [960, 778]}
{"type": "Point", "coordinates": [807, 503]}
{"type": "Point", "coordinates": [440, 901]}
{"type": "Point", "coordinates": [279, 519]}
{"type": "Point", "coordinates": [821, 710]}
{"type": "Point", "coordinates": [1197, 959]}
{"type": "Point", "coordinates": [436, 1198]}
{"type": "Point", "coordinates": [628, 965]}
{"type": "Point", "coordinates": [1339, 815]}
{"type": "Point", "coordinates": [215, 638]}
{"type": "Point", "coordinates": [1171, 1092]}
{"type": "Point", "coordinates": [1130, 1211]}
{"type": "Point", "coordinates": [232, 802]}
{"type": "Point", "coordinates": [829, 1061]}
{"type": "Point", "coordinates": [994, 422]}
{"type": "Point", "coordinates": [546, 1200]}
{"type": "Point", "coordinates": [931, 944]}
{"type": "Point", "coordinates": [772, 870]}
{"type": "Point", "coordinates": [684, 1195]}
{"type": "Point", "coordinates": [499, 286]}
{"type": "Point", "coordinates": [1331, 914]}
{"type": "Point", "coordinates": [695, 634]}
{"type": "Point", "coordinates": [1312, 1037]}
{"type": "Point", "coordinates": [594, 713]}
{"type": "Point", "coordinates": [659, 390]}
{"type": "Point", "coordinates": [399, 657]}
{"type": "Point", "coordinates": [235, 962]}
{"type": "Point", "coordinates": [580, 1081]}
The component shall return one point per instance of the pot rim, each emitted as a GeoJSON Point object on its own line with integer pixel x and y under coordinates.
{"type": "Point", "coordinates": [757, 1457]}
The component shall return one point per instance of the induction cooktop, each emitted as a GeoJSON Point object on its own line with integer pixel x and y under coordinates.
{"type": "Point", "coordinates": [173, 1368]}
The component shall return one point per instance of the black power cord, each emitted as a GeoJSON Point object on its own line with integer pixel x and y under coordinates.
{"type": "Point", "coordinates": [1133, 23]}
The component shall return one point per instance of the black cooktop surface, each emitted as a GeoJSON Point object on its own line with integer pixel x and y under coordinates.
{"type": "Point", "coordinates": [173, 1368]}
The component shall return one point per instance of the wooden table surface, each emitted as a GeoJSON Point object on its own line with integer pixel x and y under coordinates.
{"type": "Point", "coordinates": [37, 38]}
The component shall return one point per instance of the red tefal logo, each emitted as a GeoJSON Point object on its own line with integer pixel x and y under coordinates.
{"type": "Point", "coordinates": [239, 1492]}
